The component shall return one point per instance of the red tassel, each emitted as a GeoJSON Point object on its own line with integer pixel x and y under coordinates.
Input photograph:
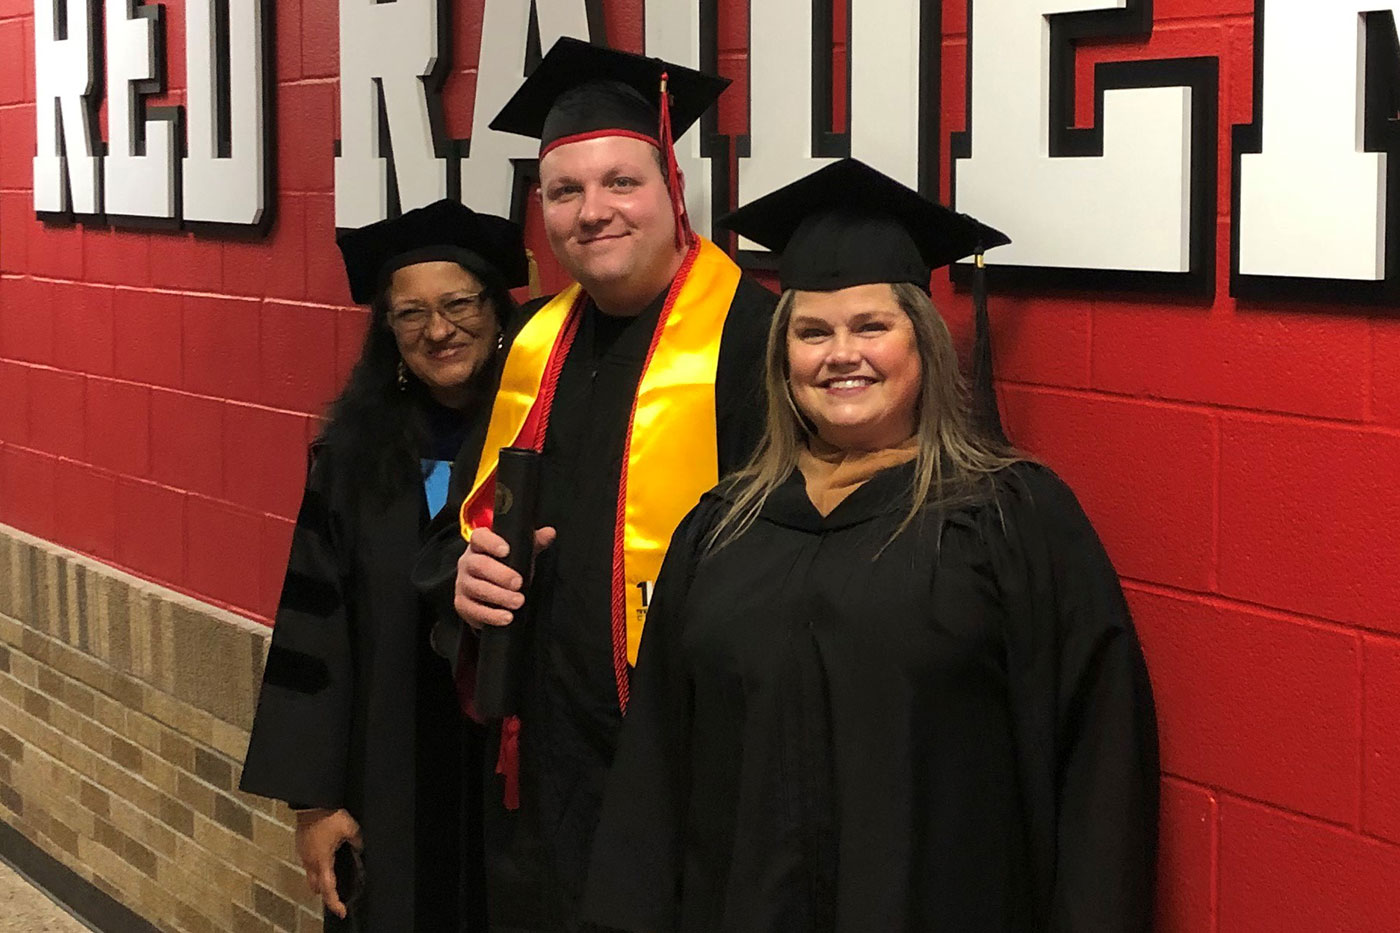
{"type": "Point", "coordinates": [508, 761]}
{"type": "Point", "coordinates": [674, 183]}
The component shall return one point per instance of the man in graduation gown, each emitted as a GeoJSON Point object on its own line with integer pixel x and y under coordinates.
{"type": "Point", "coordinates": [640, 386]}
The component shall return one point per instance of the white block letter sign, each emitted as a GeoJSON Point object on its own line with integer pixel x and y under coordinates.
{"type": "Point", "coordinates": [225, 173]}
{"type": "Point", "coordinates": [1315, 173]}
{"type": "Point", "coordinates": [1129, 202]}
{"type": "Point", "coordinates": [65, 74]}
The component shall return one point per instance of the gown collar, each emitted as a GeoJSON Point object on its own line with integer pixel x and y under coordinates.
{"type": "Point", "coordinates": [885, 492]}
{"type": "Point", "coordinates": [447, 429]}
{"type": "Point", "coordinates": [832, 474]}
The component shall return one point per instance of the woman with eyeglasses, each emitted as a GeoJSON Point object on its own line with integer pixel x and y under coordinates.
{"type": "Point", "coordinates": [358, 725]}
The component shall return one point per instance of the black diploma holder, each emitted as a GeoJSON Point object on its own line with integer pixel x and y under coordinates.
{"type": "Point", "coordinates": [500, 669]}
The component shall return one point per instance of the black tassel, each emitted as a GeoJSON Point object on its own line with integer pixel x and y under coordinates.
{"type": "Point", "coordinates": [985, 413]}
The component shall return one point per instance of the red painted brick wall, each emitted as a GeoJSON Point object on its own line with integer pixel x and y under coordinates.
{"type": "Point", "coordinates": [1240, 461]}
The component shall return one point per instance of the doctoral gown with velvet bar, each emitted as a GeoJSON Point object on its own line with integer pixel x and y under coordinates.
{"type": "Point", "coordinates": [357, 712]}
{"type": "Point", "coordinates": [537, 856]}
{"type": "Point", "coordinates": [956, 733]}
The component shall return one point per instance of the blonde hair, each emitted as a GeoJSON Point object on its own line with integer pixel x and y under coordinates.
{"type": "Point", "coordinates": [955, 460]}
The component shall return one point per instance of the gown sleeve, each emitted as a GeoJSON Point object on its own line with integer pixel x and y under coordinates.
{"type": "Point", "coordinates": [434, 573]}
{"type": "Point", "coordinates": [298, 749]}
{"type": "Point", "coordinates": [1086, 721]}
{"type": "Point", "coordinates": [635, 871]}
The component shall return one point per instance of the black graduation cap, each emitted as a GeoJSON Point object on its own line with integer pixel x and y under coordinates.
{"type": "Point", "coordinates": [443, 230]}
{"type": "Point", "coordinates": [848, 224]}
{"type": "Point", "coordinates": [580, 91]}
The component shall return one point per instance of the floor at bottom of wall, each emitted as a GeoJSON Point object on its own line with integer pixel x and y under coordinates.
{"type": "Point", "coordinates": [27, 909]}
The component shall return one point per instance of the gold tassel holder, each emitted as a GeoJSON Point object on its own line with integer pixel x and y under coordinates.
{"type": "Point", "coordinates": [534, 273]}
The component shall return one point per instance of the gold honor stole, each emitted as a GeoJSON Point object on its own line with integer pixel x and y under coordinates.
{"type": "Point", "coordinates": [671, 452]}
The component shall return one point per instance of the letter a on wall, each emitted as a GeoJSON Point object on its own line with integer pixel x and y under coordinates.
{"type": "Point", "coordinates": [500, 166]}
{"type": "Point", "coordinates": [1317, 173]}
{"type": "Point", "coordinates": [1128, 203]}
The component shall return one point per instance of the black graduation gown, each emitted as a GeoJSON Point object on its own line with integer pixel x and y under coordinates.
{"type": "Point", "coordinates": [957, 734]}
{"type": "Point", "coordinates": [537, 856]}
{"type": "Point", "coordinates": [357, 712]}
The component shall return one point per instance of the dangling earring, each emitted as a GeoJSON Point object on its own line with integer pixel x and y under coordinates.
{"type": "Point", "coordinates": [500, 340]}
{"type": "Point", "coordinates": [403, 377]}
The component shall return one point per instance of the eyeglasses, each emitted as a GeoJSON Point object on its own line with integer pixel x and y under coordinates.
{"type": "Point", "coordinates": [457, 311]}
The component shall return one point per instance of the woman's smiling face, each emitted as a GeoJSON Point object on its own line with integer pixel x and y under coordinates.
{"type": "Point", "coordinates": [444, 324]}
{"type": "Point", "coordinates": [853, 365]}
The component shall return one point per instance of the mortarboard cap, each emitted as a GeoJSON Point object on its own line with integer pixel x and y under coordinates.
{"type": "Point", "coordinates": [581, 90]}
{"type": "Point", "coordinates": [848, 224]}
{"type": "Point", "coordinates": [444, 230]}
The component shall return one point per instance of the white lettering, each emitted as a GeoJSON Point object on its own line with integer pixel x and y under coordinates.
{"type": "Point", "coordinates": [885, 65]}
{"type": "Point", "coordinates": [488, 175]}
{"type": "Point", "coordinates": [139, 171]}
{"type": "Point", "coordinates": [1128, 209]}
{"type": "Point", "coordinates": [885, 57]}
{"type": "Point", "coordinates": [65, 117]}
{"type": "Point", "coordinates": [673, 34]}
{"type": "Point", "coordinates": [224, 175]}
{"type": "Point", "coordinates": [1312, 203]}
{"type": "Point", "coordinates": [386, 50]}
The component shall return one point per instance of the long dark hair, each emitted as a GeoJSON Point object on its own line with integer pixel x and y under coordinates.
{"type": "Point", "coordinates": [382, 424]}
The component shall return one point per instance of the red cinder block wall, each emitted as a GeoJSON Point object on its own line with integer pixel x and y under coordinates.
{"type": "Point", "coordinates": [1240, 461]}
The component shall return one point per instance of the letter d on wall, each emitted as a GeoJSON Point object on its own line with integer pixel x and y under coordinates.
{"type": "Point", "coordinates": [225, 173]}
